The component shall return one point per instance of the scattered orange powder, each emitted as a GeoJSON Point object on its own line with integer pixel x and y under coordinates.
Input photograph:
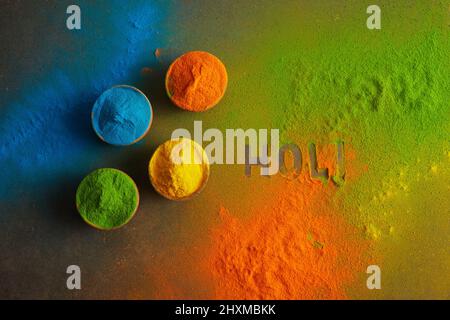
{"type": "Point", "coordinates": [196, 81]}
{"type": "Point", "coordinates": [296, 245]}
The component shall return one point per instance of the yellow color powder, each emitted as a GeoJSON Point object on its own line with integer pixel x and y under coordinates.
{"type": "Point", "coordinates": [179, 168]}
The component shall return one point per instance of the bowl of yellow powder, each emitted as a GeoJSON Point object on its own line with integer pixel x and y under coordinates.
{"type": "Point", "coordinates": [179, 169]}
{"type": "Point", "coordinates": [107, 199]}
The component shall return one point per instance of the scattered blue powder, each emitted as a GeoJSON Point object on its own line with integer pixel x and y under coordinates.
{"type": "Point", "coordinates": [121, 115]}
{"type": "Point", "coordinates": [45, 126]}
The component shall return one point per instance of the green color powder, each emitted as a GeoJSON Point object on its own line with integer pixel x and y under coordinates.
{"type": "Point", "coordinates": [320, 76]}
{"type": "Point", "coordinates": [107, 198]}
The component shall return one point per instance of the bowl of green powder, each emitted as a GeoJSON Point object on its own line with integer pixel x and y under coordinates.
{"type": "Point", "coordinates": [107, 199]}
{"type": "Point", "coordinates": [122, 115]}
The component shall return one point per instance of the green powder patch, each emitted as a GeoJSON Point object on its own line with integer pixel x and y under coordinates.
{"type": "Point", "coordinates": [107, 198]}
{"type": "Point", "coordinates": [319, 75]}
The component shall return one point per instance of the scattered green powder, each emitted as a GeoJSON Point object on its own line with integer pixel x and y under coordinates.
{"type": "Point", "coordinates": [321, 76]}
{"type": "Point", "coordinates": [387, 99]}
{"type": "Point", "coordinates": [107, 198]}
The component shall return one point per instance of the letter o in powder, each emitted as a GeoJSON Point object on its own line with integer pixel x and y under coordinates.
{"type": "Point", "coordinates": [179, 169]}
{"type": "Point", "coordinates": [122, 115]}
{"type": "Point", "coordinates": [107, 199]}
{"type": "Point", "coordinates": [196, 81]}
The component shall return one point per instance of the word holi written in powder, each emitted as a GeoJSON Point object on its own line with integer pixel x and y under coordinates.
{"type": "Point", "coordinates": [316, 173]}
{"type": "Point", "coordinates": [251, 147]}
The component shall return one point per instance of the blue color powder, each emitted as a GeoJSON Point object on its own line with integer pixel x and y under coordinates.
{"type": "Point", "coordinates": [45, 132]}
{"type": "Point", "coordinates": [121, 115]}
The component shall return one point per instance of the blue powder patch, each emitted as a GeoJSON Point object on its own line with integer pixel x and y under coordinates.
{"type": "Point", "coordinates": [121, 115]}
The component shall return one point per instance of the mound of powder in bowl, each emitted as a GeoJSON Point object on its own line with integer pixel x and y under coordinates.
{"type": "Point", "coordinates": [122, 115]}
{"type": "Point", "coordinates": [196, 81]}
{"type": "Point", "coordinates": [107, 199]}
{"type": "Point", "coordinates": [179, 169]}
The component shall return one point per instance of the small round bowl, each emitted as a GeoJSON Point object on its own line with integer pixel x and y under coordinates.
{"type": "Point", "coordinates": [143, 134]}
{"type": "Point", "coordinates": [205, 162]}
{"type": "Point", "coordinates": [221, 71]}
{"type": "Point", "coordinates": [131, 215]}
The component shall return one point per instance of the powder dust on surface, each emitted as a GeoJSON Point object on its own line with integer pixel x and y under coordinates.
{"type": "Point", "coordinates": [294, 244]}
{"type": "Point", "coordinates": [385, 94]}
{"type": "Point", "coordinates": [318, 75]}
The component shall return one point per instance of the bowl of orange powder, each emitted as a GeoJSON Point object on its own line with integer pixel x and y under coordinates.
{"type": "Point", "coordinates": [196, 81]}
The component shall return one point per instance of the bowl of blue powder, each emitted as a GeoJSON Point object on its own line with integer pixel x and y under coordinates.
{"type": "Point", "coordinates": [122, 115]}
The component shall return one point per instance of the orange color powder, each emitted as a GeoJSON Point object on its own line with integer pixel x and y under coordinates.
{"type": "Point", "coordinates": [296, 245]}
{"type": "Point", "coordinates": [196, 81]}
